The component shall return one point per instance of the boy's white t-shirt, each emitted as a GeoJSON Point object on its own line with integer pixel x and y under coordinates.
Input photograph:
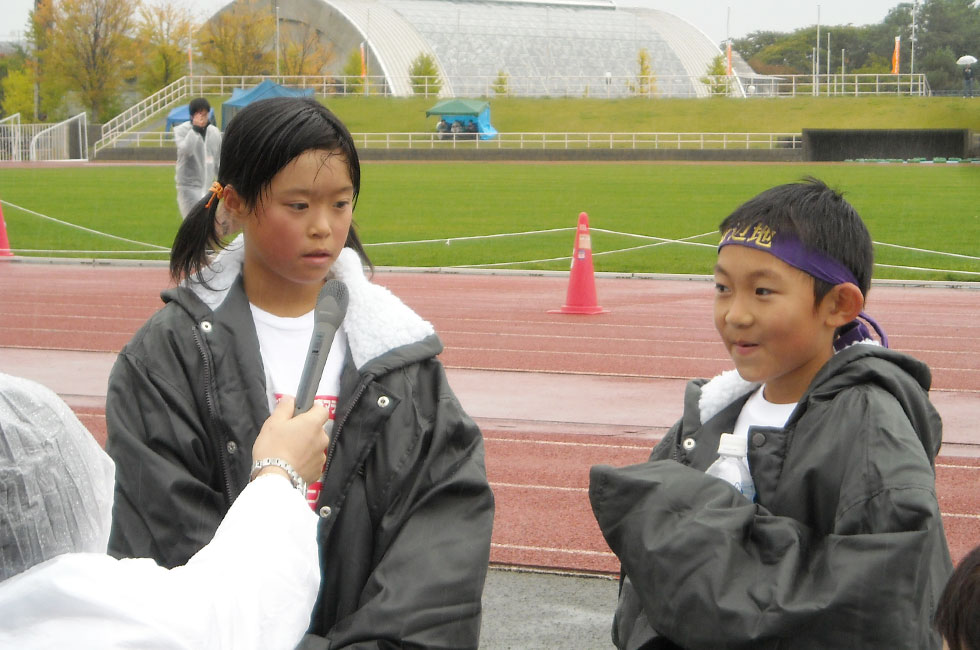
{"type": "Point", "coordinates": [759, 412]}
{"type": "Point", "coordinates": [283, 344]}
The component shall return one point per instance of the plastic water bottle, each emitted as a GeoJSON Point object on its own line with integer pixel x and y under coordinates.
{"type": "Point", "coordinates": [732, 465]}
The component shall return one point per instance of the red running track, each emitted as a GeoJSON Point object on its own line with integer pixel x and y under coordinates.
{"type": "Point", "coordinates": [539, 470]}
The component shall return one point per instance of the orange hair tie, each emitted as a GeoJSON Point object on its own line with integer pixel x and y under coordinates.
{"type": "Point", "coordinates": [217, 190]}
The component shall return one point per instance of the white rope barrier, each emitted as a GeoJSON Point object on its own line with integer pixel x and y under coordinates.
{"type": "Point", "coordinates": [656, 241]}
{"type": "Point", "coordinates": [83, 228]}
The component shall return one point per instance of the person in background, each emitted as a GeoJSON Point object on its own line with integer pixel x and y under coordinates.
{"type": "Point", "coordinates": [958, 613]}
{"type": "Point", "coordinates": [406, 509]}
{"type": "Point", "coordinates": [843, 545]}
{"type": "Point", "coordinates": [968, 81]}
{"type": "Point", "coordinates": [198, 154]}
{"type": "Point", "coordinates": [252, 586]}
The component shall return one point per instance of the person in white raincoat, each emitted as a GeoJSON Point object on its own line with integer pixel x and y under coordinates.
{"type": "Point", "coordinates": [198, 151]}
{"type": "Point", "coordinates": [252, 586]}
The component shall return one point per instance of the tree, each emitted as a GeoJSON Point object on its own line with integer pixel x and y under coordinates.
{"type": "Point", "coordinates": [303, 51]}
{"type": "Point", "coordinates": [89, 43]}
{"type": "Point", "coordinates": [501, 84]}
{"type": "Point", "coordinates": [353, 82]}
{"type": "Point", "coordinates": [646, 82]}
{"type": "Point", "coordinates": [18, 93]}
{"type": "Point", "coordinates": [164, 35]}
{"type": "Point", "coordinates": [424, 75]}
{"type": "Point", "coordinates": [716, 78]}
{"type": "Point", "coordinates": [240, 39]}
{"type": "Point", "coordinates": [946, 29]}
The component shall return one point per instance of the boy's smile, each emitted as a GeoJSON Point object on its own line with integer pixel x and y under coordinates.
{"type": "Point", "coordinates": [765, 314]}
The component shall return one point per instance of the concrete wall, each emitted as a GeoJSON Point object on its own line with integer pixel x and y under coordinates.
{"type": "Point", "coordinates": [844, 144]}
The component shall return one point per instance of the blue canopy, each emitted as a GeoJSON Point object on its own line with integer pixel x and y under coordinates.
{"type": "Point", "coordinates": [241, 98]}
{"type": "Point", "coordinates": [466, 110]}
{"type": "Point", "coordinates": [182, 114]}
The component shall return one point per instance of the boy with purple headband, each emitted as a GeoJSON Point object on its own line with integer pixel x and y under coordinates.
{"type": "Point", "coordinates": [844, 545]}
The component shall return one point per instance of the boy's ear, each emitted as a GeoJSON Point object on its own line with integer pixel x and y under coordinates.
{"type": "Point", "coordinates": [845, 301]}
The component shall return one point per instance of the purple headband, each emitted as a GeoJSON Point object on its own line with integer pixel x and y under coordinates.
{"type": "Point", "coordinates": [791, 250]}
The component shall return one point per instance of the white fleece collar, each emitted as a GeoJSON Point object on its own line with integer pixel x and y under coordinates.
{"type": "Point", "coordinates": [727, 387]}
{"type": "Point", "coordinates": [377, 321]}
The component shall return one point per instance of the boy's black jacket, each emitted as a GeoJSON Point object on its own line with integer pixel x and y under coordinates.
{"type": "Point", "coordinates": [844, 547]}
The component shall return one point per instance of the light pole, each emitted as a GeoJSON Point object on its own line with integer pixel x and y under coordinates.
{"type": "Point", "coordinates": [277, 41]}
{"type": "Point", "coordinates": [816, 61]}
{"type": "Point", "coordinates": [915, 10]}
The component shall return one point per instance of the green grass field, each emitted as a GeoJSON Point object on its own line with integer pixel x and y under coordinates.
{"type": "Point", "coordinates": [933, 207]}
{"type": "Point", "coordinates": [636, 115]}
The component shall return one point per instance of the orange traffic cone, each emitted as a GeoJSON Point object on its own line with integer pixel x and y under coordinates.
{"type": "Point", "coordinates": [4, 242]}
{"type": "Point", "coordinates": [581, 297]}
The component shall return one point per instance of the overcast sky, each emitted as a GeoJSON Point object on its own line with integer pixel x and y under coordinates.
{"type": "Point", "coordinates": [711, 16]}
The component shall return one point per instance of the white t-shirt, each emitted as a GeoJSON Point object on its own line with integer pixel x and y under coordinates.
{"type": "Point", "coordinates": [284, 343]}
{"type": "Point", "coordinates": [759, 412]}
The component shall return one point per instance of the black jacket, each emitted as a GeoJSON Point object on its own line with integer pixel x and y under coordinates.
{"type": "Point", "coordinates": [844, 547]}
{"type": "Point", "coordinates": [406, 510]}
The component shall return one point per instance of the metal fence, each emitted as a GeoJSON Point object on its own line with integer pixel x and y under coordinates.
{"type": "Point", "coordinates": [67, 140]}
{"type": "Point", "coordinates": [532, 140]}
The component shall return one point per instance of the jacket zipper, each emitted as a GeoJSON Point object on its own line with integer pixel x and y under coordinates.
{"type": "Point", "coordinates": [340, 425]}
{"type": "Point", "coordinates": [209, 398]}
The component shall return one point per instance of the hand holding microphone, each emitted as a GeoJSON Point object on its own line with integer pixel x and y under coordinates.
{"type": "Point", "coordinates": [299, 441]}
{"type": "Point", "coordinates": [296, 446]}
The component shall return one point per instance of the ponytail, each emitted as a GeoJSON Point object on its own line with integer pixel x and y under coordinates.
{"type": "Point", "coordinates": [197, 236]}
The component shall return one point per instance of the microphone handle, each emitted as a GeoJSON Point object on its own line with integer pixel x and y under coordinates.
{"type": "Point", "coordinates": [309, 381]}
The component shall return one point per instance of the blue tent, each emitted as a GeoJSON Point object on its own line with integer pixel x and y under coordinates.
{"type": "Point", "coordinates": [182, 114]}
{"type": "Point", "coordinates": [241, 98]}
{"type": "Point", "coordinates": [466, 110]}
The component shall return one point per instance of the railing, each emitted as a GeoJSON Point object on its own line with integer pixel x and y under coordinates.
{"type": "Point", "coordinates": [610, 86]}
{"type": "Point", "coordinates": [838, 85]}
{"type": "Point", "coordinates": [533, 140]}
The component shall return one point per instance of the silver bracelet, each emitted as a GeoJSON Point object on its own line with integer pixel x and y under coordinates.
{"type": "Point", "coordinates": [294, 476]}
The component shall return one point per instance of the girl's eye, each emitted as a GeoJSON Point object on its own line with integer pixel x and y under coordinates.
{"type": "Point", "coordinates": [298, 206]}
{"type": "Point", "coordinates": [762, 291]}
{"type": "Point", "coordinates": [340, 205]}
{"type": "Point", "coordinates": [720, 288]}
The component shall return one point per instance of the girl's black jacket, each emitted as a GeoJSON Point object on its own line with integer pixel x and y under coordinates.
{"type": "Point", "coordinates": [406, 509]}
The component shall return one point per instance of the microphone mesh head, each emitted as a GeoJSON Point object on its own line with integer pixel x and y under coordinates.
{"type": "Point", "coordinates": [334, 289]}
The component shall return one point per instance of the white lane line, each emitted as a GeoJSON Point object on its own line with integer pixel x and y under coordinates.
{"type": "Point", "coordinates": [546, 549]}
{"type": "Point", "coordinates": [560, 443]}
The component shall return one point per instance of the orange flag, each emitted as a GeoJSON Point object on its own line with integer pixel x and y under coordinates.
{"type": "Point", "coordinates": [895, 55]}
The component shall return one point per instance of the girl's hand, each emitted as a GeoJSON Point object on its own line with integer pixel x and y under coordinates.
{"type": "Point", "coordinates": [300, 441]}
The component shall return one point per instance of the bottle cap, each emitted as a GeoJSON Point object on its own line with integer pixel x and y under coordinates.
{"type": "Point", "coordinates": [730, 444]}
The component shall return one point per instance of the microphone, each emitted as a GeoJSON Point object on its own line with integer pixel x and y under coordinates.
{"type": "Point", "coordinates": [331, 307]}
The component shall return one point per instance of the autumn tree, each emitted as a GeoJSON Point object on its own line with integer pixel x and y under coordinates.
{"type": "Point", "coordinates": [302, 51]}
{"type": "Point", "coordinates": [88, 47]}
{"type": "Point", "coordinates": [164, 35]}
{"type": "Point", "coordinates": [45, 87]}
{"type": "Point", "coordinates": [240, 39]}
{"type": "Point", "coordinates": [646, 82]}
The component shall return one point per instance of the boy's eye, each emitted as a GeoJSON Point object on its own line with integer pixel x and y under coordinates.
{"type": "Point", "coordinates": [762, 291]}
{"type": "Point", "coordinates": [340, 205]}
{"type": "Point", "coordinates": [298, 206]}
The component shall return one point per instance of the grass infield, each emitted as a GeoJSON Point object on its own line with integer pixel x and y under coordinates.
{"type": "Point", "coordinates": [933, 207]}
